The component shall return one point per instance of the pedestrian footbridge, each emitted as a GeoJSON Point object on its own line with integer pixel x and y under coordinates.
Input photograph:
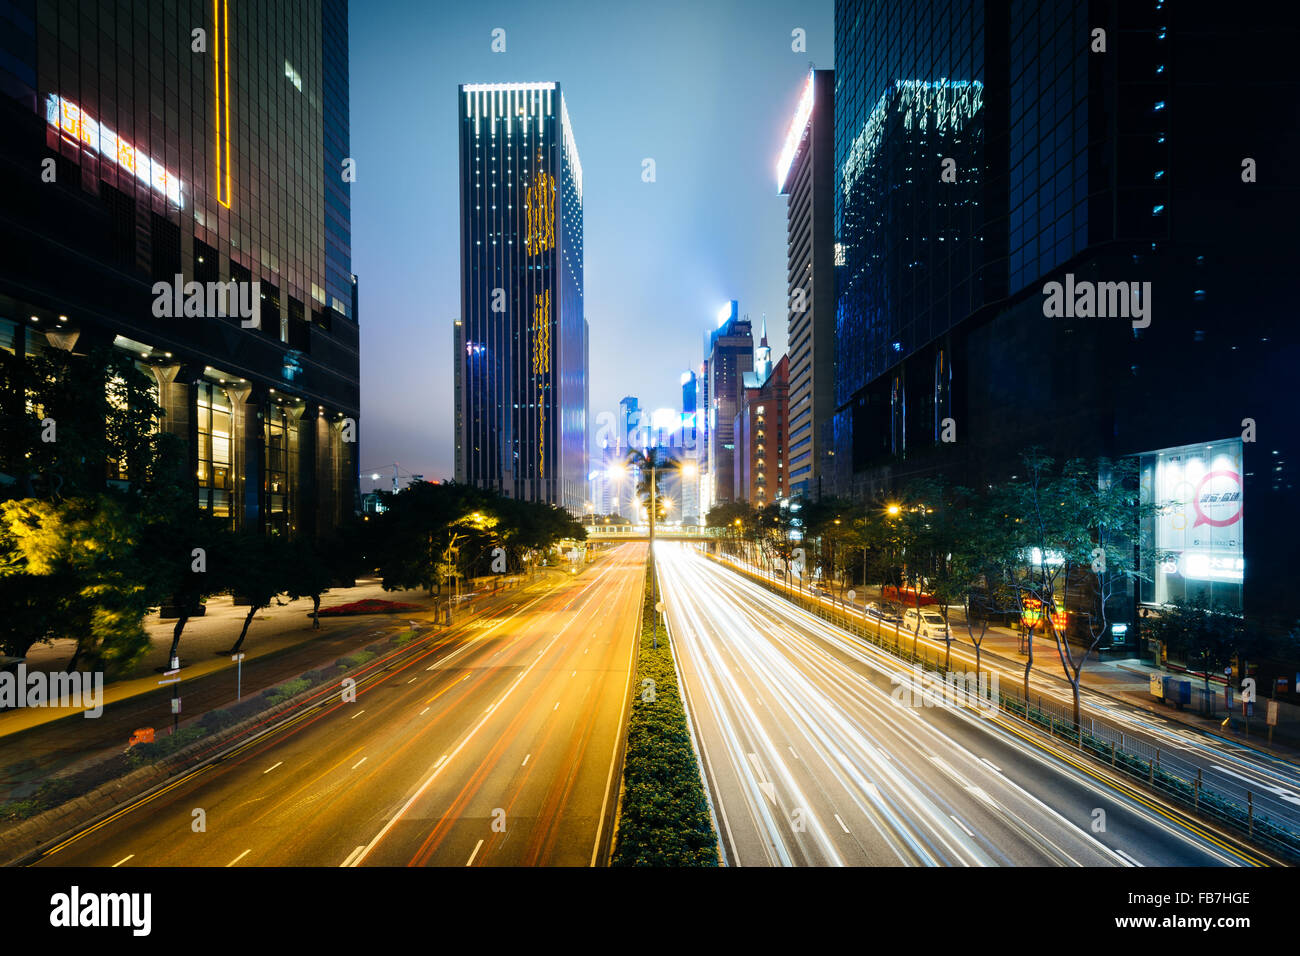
{"type": "Point", "coordinates": [641, 532]}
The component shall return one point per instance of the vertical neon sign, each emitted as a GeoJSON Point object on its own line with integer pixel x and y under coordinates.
{"type": "Point", "coordinates": [221, 87]}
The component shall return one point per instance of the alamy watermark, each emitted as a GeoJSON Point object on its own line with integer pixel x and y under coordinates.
{"type": "Point", "coordinates": [207, 300]}
{"type": "Point", "coordinates": [1086, 299]}
{"type": "Point", "coordinates": [77, 689]}
{"type": "Point", "coordinates": [922, 688]}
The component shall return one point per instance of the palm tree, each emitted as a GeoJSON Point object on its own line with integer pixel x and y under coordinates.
{"type": "Point", "coordinates": [650, 462]}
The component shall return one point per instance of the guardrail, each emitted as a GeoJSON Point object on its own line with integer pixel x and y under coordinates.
{"type": "Point", "coordinates": [1165, 772]}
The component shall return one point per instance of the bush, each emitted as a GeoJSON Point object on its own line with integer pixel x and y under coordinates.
{"type": "Point", "coordinates": [278, 695]}
{"type": "Point", "coordinates": [162, 747]}
{"type": "Point", "coordinates": [665, 817]}
{"type": "Point", "coordinates": [357, 659]}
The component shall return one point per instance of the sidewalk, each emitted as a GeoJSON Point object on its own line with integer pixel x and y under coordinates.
{"type": "Point", "coordinates": [273, 630]}
{"type": "Point", "coordinates": [1126, 681]}
{"type": "Point", "coordinates": [39, 743]}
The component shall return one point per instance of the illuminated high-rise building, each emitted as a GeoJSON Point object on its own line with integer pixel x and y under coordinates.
{"type": "Point", "coordinates": [522, 362]}
{"type": "Point", "coordinates": [135, 161]}
{"type": "Point", "coordinates": [806, 175]}
{"type": "Point", "coordinates": [729, 354]}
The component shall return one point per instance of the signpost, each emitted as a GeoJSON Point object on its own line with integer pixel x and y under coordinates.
{"type": "Point", "coordinates": [659, 608]}
{"type": "Point", "coordinates": [239, 675]}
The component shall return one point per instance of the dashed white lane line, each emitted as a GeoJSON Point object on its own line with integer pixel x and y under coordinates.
{"type": "Point", "coordinates": [470, 861]}
{"type": "Point", "coordinates": [413, 680]}
{"type": "Point", "coordinates": [841, 823]}
{"type": "Point", "coordinates": [792, 753]}
{"type": "Point", "coordinates": [121, 861]}
{"type": "Point", "coordinates": [989, 763]}
{"type": "Point", "coordinates": [423, 712]}
{"type": "Point", "coordinates": [525, 763]}
{"type": "Point", "coordinates": [1127, 857]}
{"type": "Point", "coordinates": [358, 763]}
{"type": "Point", "coordinates": [352, 856]}
{"type": "Point", "coordinates": [556, 707]}
{"type": "Point", "coordinates": [272, 767]}
{"type": "Point", "coordinates": [963, 826]}
{"type": "Point", "coordinates": [440, 760]}
{"type": "Point", "coordinates": [356, 715]}
{"type": "Point", "coordinates": [238, 858]}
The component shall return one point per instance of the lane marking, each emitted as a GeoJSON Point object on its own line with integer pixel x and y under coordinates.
{"type": "Point", "coordinates": [841, 823]}
{"type": "Point", "coordinates": [556, 707]}
{"type": "Point", "coordinates": [358, 763]}
{"type": "Point", "coordinates": [352, 856]}
{"type": "Point", "coordinates": [121, 861]}
{"type": "Point", "coordinates": [470, 861]}
{"type": "Point", "coordinates": [413, 679]}
{"type": "Point", "coordinates": [440, 760]}
{"type": "Point", "coordinates": [423, 712]}
{"type": "Point", "coordinates": [238, 858]}
{"type": "Point", "coordinates": [357, 714]}
{"type": "Point", "coordinates": [1127, 857]}
{"type": "Point", "coordinates": [792, 753]}
{"type": "Point", "coordinates": [269, 769]}
{"type": "Point", "coordinates": [525, 763]}
{"type": "Point", "coordinates": [963, 826]}
{"type": "Point", "coordinates": [991, 764]}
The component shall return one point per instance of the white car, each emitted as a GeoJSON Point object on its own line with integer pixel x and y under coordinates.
{"type": "Point", "coordinates": [932, 623]}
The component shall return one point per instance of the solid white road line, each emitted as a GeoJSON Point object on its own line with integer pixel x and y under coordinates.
{"type": "Point", "coordinates": [238, 858]}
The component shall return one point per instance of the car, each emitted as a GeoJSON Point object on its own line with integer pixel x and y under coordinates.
{"type": "Point", "coordinates": [932, 623]}
{"type": "Point", "coordinates": [885, 612]}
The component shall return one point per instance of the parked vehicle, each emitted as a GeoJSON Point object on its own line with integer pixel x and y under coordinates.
{"type": "Point", "coordinates": [932, 623]}
{"type": "Point", "coordinates": [885, 613]}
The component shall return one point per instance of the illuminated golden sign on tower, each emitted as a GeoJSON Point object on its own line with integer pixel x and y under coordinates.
{"type": "Point", "coordinates": [221, 88]}
{"type": "Point", "coordinates": [541, 367]}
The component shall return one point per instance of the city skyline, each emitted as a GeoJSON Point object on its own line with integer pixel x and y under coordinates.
{"type": "Point", "coordinates": [720, 119]}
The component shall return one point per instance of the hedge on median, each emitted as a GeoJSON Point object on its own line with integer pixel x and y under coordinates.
{"type": "Point", "coordinates": [665, 817]}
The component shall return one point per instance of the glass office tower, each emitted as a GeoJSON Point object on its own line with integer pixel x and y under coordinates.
{"type": "Point", "coordinates": [523, 360]}
{"type": "Point", "coordinates": [207, 141]}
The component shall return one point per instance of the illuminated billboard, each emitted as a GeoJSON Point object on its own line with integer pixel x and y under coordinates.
{"type": "Point", "coordinates": [78, 125]}
{"type": "Point", "coordinates": [1196, 535]}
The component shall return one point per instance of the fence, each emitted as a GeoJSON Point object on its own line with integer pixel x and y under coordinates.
{"type": "Point", "coordinates": [1166, 772]}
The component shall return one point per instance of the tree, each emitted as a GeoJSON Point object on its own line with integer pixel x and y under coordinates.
{"type": "Point", "coordinates": [1074, 527]}
{"type": "Point", "coordinates": [80, 558]}
{"type": "Point", "coordinates": [1208, 634]}
{"type": "Point", "coordinates": [308, 574]}
{"type": "Point", "coordinates": [257, 575]}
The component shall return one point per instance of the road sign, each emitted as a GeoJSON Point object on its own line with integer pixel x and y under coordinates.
{"type": "Point", "coordinates": [176, 705]}
{"type": "Point", "coordinates": [173, 680]}
{"type": "Point", "coordinates": [852, 595]}
{"type": "Point", "coordinates": [240, 656]}
{"type": "Point", "coordinates": [660, 607]}
{"type": "Point", "coordinates": [1270, 717]}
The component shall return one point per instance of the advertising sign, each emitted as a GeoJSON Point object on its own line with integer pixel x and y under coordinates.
{"type": "Point", "coordinates": [1198, 529]}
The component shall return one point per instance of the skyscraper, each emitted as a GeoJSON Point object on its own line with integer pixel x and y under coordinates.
{"type": "Point", "coordinates": [806, 175]}
{"type": "Point", "coordinates": [987, 153]}
{"type": "Point", "coordinates": [140, 169]}
{"type": "Point", "coordinates": [523, 374]}
{"type": "Point", "coordinates": [729, 352]}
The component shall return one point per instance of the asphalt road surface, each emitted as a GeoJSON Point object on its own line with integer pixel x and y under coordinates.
{"type": "Point", "coordinates": [500, 746]}
{"type": "Point", "coordinates": [819, 749]}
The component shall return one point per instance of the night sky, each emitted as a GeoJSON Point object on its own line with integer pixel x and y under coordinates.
{"type": "Point", "coordinates": [706, 89]}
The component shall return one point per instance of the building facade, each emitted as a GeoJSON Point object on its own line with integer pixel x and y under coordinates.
{"type": "Point", "coordinates": [806, 176]}
{"type": "Point", "coordinates": [729, 354]}
{"type": "Point", "coordinates": [761, 431]}
{"type": "Point", "coordinates": [523, 363]}
{"type": "Point", "coordinates": [190, 207]}
{"type": "Point", "coordinates": [1095, 147]}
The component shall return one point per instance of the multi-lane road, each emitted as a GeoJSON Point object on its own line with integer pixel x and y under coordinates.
{"type": "Point", "coordinates": [816, 752]}
{"type": "Point", "coordinates": [495, 744]}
